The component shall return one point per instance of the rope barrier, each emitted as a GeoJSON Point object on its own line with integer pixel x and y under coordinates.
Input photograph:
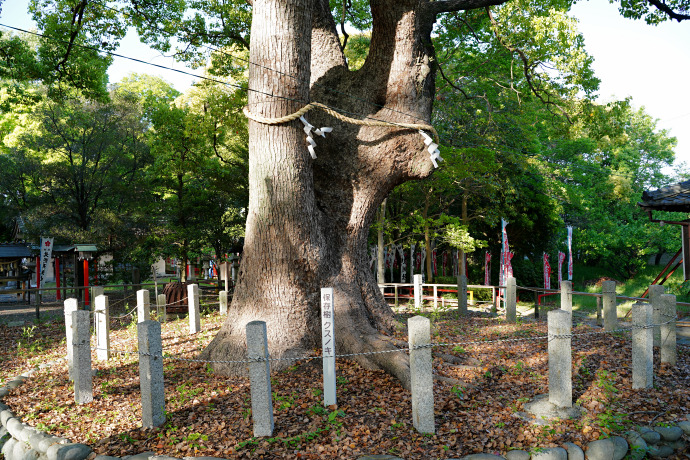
{"type": "Point", "coordinates": [432, 145]}
{"type": "Point", "coordinates": [548, 338]}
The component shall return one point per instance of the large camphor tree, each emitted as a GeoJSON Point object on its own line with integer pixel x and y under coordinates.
{"type": "Point", "coordinates": [308, 219]}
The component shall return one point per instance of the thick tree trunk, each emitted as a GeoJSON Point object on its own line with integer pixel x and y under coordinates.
{"type": "Point", "coordinates": [308, 220]}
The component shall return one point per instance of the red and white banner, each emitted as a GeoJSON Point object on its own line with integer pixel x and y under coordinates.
{"type": "Point", "coordinates": [561, 259]}
{"type": "Point", "coordinates": [506, 255]}
{"type": "Point", "coordinates": [547, 272]}
{"type": "Point", "coordinates": [570, 253]}
{"type": "Point", "coordinates": [487, 268]}
{"type": "Point", "coordinates": [445, 262]}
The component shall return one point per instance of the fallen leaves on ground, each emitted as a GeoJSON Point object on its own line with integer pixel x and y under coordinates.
{"type": "Point", "coordinates": [210, 415]}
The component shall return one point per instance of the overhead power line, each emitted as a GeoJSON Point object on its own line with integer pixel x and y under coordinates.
{"type": "Point", "coordinates": [111, 53]}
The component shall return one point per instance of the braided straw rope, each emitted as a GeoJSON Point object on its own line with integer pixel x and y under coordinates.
{"type": "Point", "coordinates": [339, 116]}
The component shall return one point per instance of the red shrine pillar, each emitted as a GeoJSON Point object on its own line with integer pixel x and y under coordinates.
{"type": "Point", "coordinates": [86, 282]}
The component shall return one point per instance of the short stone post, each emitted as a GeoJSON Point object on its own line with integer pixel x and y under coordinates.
{"type": "Point", "coordinates": [81, 351]}
{"type": "Point", "coordinates": [71, 305]}
{"type": "Point", "coordinates": [668, 315]}
{"type": "Point", "coordinates": [161, 308]}
{"type": "Point", "coordinates": [102, 312]}
{"type": "Point", "coordinates": [96, 291]}
{"type": "Point", "coordinates": [143, 306]}
{"type": "Point", "coordinates": [328, 346]}
{"type": "Point", "coordinates": [608, 289]}
{"type": "Point", "coordinates": [560, 358]}
{"type": "Point", "coordinates": [642, 346]}
{"type": "Point", "coordinates": [151, 374]}
{"type": "Point", "coordinates": [419, 335]}
{"type": "Point", "coordinates": [511, 299]}
{"type": "Point", "coordinates": [223, 300]}
{"type": "Point", "coordinates": [193, 301]}
{"type": "Point", "coordinates": [462, 294]}
{"type": "Point", "coordinates": [260, 379]}
{"type": "Point", "coordinates": [417, 280]}
{"type": "Point", "coordinates": [655, 291]}
{"type": "Point", "coordinates": [567, 296]}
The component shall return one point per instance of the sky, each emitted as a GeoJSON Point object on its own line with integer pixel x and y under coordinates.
{"type": "Point", "coordinates": [651, 64]}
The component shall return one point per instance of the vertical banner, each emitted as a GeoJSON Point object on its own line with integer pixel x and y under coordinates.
{"type": "Point", "coordinates": [445, 261]}
{"type": "Point", "coordinates": [487, 268]}
{"type": "Point", "coordinates": [505, 250]}
{"type": "Point", "coordinates": [46, 254]}
{"type": "Point", "coordinates": [547, 272]}
{"type": "Point", "coordinates": [328, 346]}
{"type": "Point", "coordinates": [391, 260]}
{"type": "Point", "coordinates": [561, 260]}
{"type": "Point", "coordinates": [509, 266]}
{"type": "Point", "coordinates": [423, 265]}
{"type": "Point", "coordinates": [456, 266]}
{"type": "Point", "coordinates": [433, 262]}
{"type": "Point", "coordinates": [570, 253]}
{"type": "Point", "coordinates": [401, 253]}
{"type": "Point", "coordinates": [411, 261]}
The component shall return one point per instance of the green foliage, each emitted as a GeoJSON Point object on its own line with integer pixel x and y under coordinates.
{"type": "Point", "coordinates": [458, 236]}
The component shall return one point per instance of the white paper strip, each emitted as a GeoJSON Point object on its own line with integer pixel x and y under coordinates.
{"type": "Point", "coordinates": [319, 132]}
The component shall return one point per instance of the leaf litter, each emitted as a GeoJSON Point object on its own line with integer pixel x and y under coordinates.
{"type": "Point", "coordinates": [479, 391]}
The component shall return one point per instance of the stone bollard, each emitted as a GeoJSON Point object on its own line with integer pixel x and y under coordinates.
{"type": "Point", "coordinates": [143, 306]}
{"type": "Point", "coordinates": [96, 291]}
{"type": "Point", "coordinates": [642, 346]}
{"type": "Point", "coordinates": [511, 299]}
{"type": "Point", "coordinates": [668, 315]}
{"type": "Point", "coordinates": [161, 308]}
{"type": "Point", "coordinates": [102, 312]}
{"type": "Point", "coordinates": [608, 289]}
{"type": "Point", "coordinates": [260, 379]}
{"type": "Point", "coordinates": [417, 281]}
{"type": "Point", "coordinates": [151, 374]}
{"type": "Point", "coordinates": [422, 380]}
{"type": "Point", "coordinates": [655, 291]}
{"type": "Point", "coordinates": [81, 352]}
{"type": "Point", "coordinates": [462, 294]}
{"type": "Point", "coordinates": [71, 305]}
{"type": "Point", "coordinates": [223, 300]}
{"type": "Point", "coordinates": [567, 296]}
{"type": "Point", "coordinates": [560, 358]}
{"type": "Point", "coordinates": [193, 302]}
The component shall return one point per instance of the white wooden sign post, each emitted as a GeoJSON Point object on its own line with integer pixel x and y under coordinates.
{"type": "Point", "coordinates": [328, 347]}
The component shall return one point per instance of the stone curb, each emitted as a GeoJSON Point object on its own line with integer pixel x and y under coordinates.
{"type": "Point", "coordinates": [19, 441]}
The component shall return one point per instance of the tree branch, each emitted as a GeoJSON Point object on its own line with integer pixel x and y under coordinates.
{"type": "Point", "coordinates": [660, 5]}
{"type": "Point", "coordinates": [446, 6]}
{"type": "Point", "coordinates": [77, 17]}
{"type": "Point", "coordinates": [526, 68]}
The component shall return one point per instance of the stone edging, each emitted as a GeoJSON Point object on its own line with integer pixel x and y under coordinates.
{"type": "Point", "coordinates": [19, 441]}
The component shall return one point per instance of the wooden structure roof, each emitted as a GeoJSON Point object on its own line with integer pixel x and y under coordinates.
{"type": "Point", "coordinates": [674, 197]}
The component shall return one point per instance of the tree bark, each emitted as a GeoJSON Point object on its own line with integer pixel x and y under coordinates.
{"type": "Point", "coordinates": [308, 220]}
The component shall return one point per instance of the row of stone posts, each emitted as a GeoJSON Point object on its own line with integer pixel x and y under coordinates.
{"type": "Point", "coordinates": [78, 332]}
{"type": "Point", "coordinates": [419, 336]}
